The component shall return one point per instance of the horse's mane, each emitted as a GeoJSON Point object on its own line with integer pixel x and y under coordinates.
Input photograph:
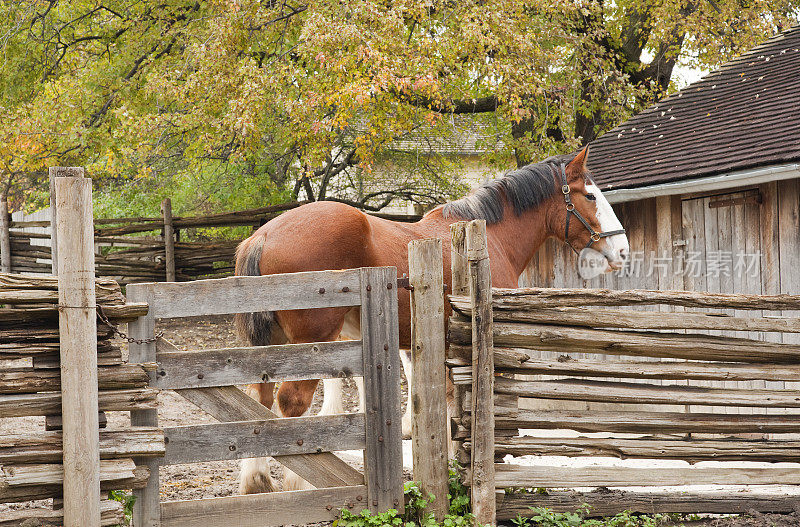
{"type": "Point", "coordinates": [524, 188]}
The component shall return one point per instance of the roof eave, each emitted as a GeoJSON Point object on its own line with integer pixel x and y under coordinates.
{"type": "Point", "coordinates": [753, 176]}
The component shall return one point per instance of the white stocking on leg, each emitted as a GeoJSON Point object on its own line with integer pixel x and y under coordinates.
{"type": "Point", "coordinates": [409, 371]}
{"type": "Point", "coordinates": [331, 397]}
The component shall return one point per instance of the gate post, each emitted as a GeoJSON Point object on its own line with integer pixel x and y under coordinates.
{"type": "Point", "coordinates": [147, 507]}
{"type": "Point", "coordinates": [482, 429]}
{"type": "Point", "coordinates": [77, 322]}
{"type": "Point", "coordinates": [383, 455]}
{"type": "Point", "coordinates": [428, 387]}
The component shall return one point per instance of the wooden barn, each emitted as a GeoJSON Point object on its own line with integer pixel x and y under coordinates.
{"type": "Point", "coordinates": [707, 184]}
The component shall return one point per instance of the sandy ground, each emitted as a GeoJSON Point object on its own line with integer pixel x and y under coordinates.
{"type": "Point", "coordinates": [215, 479]}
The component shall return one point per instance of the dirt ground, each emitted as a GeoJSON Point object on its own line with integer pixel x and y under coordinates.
{"type": "Point", "coordinates": [214, 479]}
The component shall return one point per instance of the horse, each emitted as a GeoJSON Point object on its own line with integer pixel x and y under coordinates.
{"type": "Point", "coordinates": [522, 209]}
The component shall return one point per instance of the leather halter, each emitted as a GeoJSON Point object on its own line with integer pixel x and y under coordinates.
{"type": "Point", "coordinates": [594, 236]}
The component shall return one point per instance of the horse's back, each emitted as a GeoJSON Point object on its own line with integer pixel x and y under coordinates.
{"type": "Point", "coordinates": [317, 236]}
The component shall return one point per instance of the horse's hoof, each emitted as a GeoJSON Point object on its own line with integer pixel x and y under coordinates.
{"type": "Point", "coordinates": [254, 477]}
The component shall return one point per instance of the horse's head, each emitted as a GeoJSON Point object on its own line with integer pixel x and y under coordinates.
{"type": "Point", "coordinates": [582, 216]}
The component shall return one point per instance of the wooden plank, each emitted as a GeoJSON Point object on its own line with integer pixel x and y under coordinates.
{"type": "Point", "coordinates": [643, 344]}
{"type": "Point", "coordinates": [565, 297]}
{"type": "Point", "coordinates": [111, 514]}
{"type": "Point", "coordinates": [482, 430]}
{"type": "Point", "coordinates": [605, 502]}
{"type": "Point", "coordinates": [272, 437]}
{"type": "Point", "coordinates": [428, 388]}
{"type": "Point", "coordinates": [45, 447]}
{"type": "Point", "coordinates": [232, 366]}
{"type": "Point", "coordinates": [383, 455]}
{"type": "Point", "coordinates": [718, 371]}
{"type": "Point", "coordinates": [459, 275]}
{"type": "Point", "coordinates": [32, 380]}
{"type": "Point", "coordinates": [649, 422]}
{"type": "Point", "coordinates": [508, 475]}
{"type": "Point", "coordinates": [34, 474]}
{"type": "Point", "coordinates": [146, 508]}
{"type": "Point", "coordinates": [599, 317]}
{"type": "Point", "coordinates": [639, 393]}
{"type": "Point", "coordinates": [690, 450]}
{"type": "Point", "coordinates": [169, 240]}
{"type": "Point", "coordinates": [78, 338]}
{"type": "Point", "coordinates": [256, 510]}
{"type": "Point", "coordinates": [228, 403]}
{"type": "Point", "coordinates": [139, 478]}
{"type": "Point", "coordinates": [238, 294]}
{"type": "Point", "coordinates": [49, 403]}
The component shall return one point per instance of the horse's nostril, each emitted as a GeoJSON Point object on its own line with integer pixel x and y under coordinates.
{"type": "Point", "coordinates": [623, 254]}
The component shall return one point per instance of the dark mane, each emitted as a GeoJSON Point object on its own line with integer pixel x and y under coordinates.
{"type": "Point", "coordinates": [524, 188]}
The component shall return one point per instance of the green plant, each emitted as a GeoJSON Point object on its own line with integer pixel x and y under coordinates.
{"type": "Point", "coordinates": [544, 517]}
{"type": "Point", "coordinates": [127, 499]}
{"type": "Point", "coordinates": [415, 514]}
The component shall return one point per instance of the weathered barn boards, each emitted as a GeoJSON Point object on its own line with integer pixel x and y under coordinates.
{"type": "Point", "coordinates": [707, 184]}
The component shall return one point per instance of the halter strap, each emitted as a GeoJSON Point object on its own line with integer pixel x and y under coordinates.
{"type": "Point", "coordinates": [594, 236]}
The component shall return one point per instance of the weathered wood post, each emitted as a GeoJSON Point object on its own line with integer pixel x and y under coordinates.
{"type": "Point", "coordinates": [147, 507]}
{"type": "Point", "coordinates": [5, 234]}
{"type": "Point", "coordinates": [78, 335]}
{"type": "Point", "coordinates": [383, 455]}
{"type": "Point", "coordinates": [428, 388]}
{"type": "Point", "coordinates": [169, 239]}
{"type": "Point", "coordinates": [482, 429]}
{"type": "Point", "coordinates": [54, 173]}
{"type": "Point", "coordinates": [459, 273]}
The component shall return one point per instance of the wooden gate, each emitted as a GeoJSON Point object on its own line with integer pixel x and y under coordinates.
{"type": "Point", "coordinates": [248, 429]}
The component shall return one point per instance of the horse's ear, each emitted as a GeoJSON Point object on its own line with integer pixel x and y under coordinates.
{"type": "Point", "coordinates": [577, 167]}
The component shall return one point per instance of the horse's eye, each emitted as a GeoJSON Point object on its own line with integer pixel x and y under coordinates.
{"type": "Point", "coordinates": [590, 197]}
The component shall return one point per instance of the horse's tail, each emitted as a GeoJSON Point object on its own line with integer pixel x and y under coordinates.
{"type": "Point", "coordinates": [255, 328]}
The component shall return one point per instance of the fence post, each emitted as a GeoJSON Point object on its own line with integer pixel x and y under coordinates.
{"type": "Point", "coordinates": [383, 455]}
{"type": "Point", "coordinates": [78, 336]}
{"type": "Point", "coordinates": [5, 235]}
{"type": "Point", "coordinates": [428, 388]}
{"type": "Point", "coordinates": [459, 274]}
{"type": "Point", "coordinates": [57, 172]}
{"type": "Point", "coordinates": [169, 239]}
{"type": "Point", "coordinates": [147, 507]}
{"type": "Point", "coordinates": [482, 429]}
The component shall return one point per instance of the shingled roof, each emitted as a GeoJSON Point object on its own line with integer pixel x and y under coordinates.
{"type": "Point", "coordinates": [744, 115]}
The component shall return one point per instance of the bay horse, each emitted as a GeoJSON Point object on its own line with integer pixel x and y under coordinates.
{"type": "Point", "coordinates": [522, 209]}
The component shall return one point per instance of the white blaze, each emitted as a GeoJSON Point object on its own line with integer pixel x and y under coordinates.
{"type": "Point", "coordinates": [618, 247]}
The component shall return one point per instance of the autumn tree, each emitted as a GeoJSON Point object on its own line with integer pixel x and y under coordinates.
{"type": "Point", "coordinates": [340, 100]}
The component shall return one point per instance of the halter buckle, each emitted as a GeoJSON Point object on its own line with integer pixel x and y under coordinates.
{"type": "Point", "coordinates": [565, 189]}
{"type": "Point", "coordinates": [596, 236]}
{"type": "Point", "coordinates": [570, 207]}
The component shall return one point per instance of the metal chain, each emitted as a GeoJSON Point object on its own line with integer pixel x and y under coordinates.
{"type": "Point", "coordinates": [121, 334]}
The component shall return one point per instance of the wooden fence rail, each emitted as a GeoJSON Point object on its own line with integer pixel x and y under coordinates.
{"type": "Point", "coordinates": [134, 251]}
{"type": "Point", "coordinates": [541, 343]}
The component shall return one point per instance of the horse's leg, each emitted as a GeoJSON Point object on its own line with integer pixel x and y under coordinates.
{"type": "Point", "coordinates": [332, 397]}
{"type": "Point", "coordinates": [408, 368]}
{"type": "Point", "coordinates": [332, 400]}
{"type": "Point", "coordinates": [254, 474]}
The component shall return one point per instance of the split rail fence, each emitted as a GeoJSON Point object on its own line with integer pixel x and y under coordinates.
{"type": "Point", "coordinates": [144, 249]}
{"type": "Point", "coordinates": [515, 345]}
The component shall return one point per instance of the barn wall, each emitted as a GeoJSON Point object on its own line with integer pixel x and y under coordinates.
{"type": "Point", "coordinates": [680, 242]}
